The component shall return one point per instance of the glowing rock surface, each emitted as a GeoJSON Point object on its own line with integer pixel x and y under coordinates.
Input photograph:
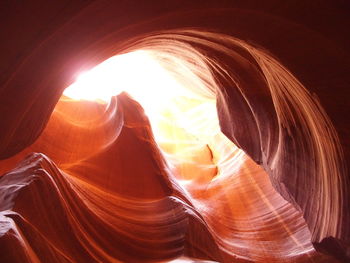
{"type": "Point", "coordinates": [273, 187]}
{"type": "Point", "coordinates": [120, 202]}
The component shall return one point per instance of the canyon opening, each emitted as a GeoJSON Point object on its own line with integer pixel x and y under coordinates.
{"type": "Point", "coordinates": [182, 133]}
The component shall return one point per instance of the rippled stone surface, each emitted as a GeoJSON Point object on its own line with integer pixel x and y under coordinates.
{"type": "Point", "coordinates": [283, 102]}
{"type": "Point", "coordinates": [119, 201]}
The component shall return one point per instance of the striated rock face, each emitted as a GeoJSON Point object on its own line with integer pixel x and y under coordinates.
{"type": "Point", "coordinates": [122, 202]}
{"type": "Point", "coordinates": [111, 207]}
{"type": "Point", "coordinates": [272, 187]}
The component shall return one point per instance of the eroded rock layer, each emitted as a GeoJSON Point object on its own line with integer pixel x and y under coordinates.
{"type": "Point", "coordinates": [99, 188]}
{"type": "Point", "coordinates": [122, 202]}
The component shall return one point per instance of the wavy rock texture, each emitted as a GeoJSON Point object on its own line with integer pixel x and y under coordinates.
{"type": "Point", "coordinates": [100, 189]}
{"type": "Point", "coordinates": [118, 207]}
{"type": "Point", "coordinates": [120, 202]}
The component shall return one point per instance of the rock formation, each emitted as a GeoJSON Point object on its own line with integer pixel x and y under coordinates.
{"type": "Point", "coordinates": [84, 181]}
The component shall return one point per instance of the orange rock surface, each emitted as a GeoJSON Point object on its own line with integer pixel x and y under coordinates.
{"type": "Point", "coordinates": [85, 181]}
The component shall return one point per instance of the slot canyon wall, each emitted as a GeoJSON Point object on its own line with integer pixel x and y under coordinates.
{"type": "Point", "coordinates": [87, 182]}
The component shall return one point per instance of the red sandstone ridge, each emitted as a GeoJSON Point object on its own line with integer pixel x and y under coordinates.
{"type": "Point", "coordinates": [82, 181]}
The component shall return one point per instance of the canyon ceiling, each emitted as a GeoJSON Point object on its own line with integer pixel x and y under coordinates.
{"type": "Point", "coordinates": [85, 181]}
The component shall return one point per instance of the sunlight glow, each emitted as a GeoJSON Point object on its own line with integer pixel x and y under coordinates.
{"type": "Point", "coordinates": [184, 122]}
{"type": "Point", "coordinates": [137, 73]}
{"type": "Point", "coordinates": [163, 97]}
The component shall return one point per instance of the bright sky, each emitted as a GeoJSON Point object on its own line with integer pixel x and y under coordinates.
{"type": "Point", "coordinates": [137, 73]}
{"type": "Point", "coordinates": [182, 122]}
{"type": "Point", "coordinates": [154, 87]}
